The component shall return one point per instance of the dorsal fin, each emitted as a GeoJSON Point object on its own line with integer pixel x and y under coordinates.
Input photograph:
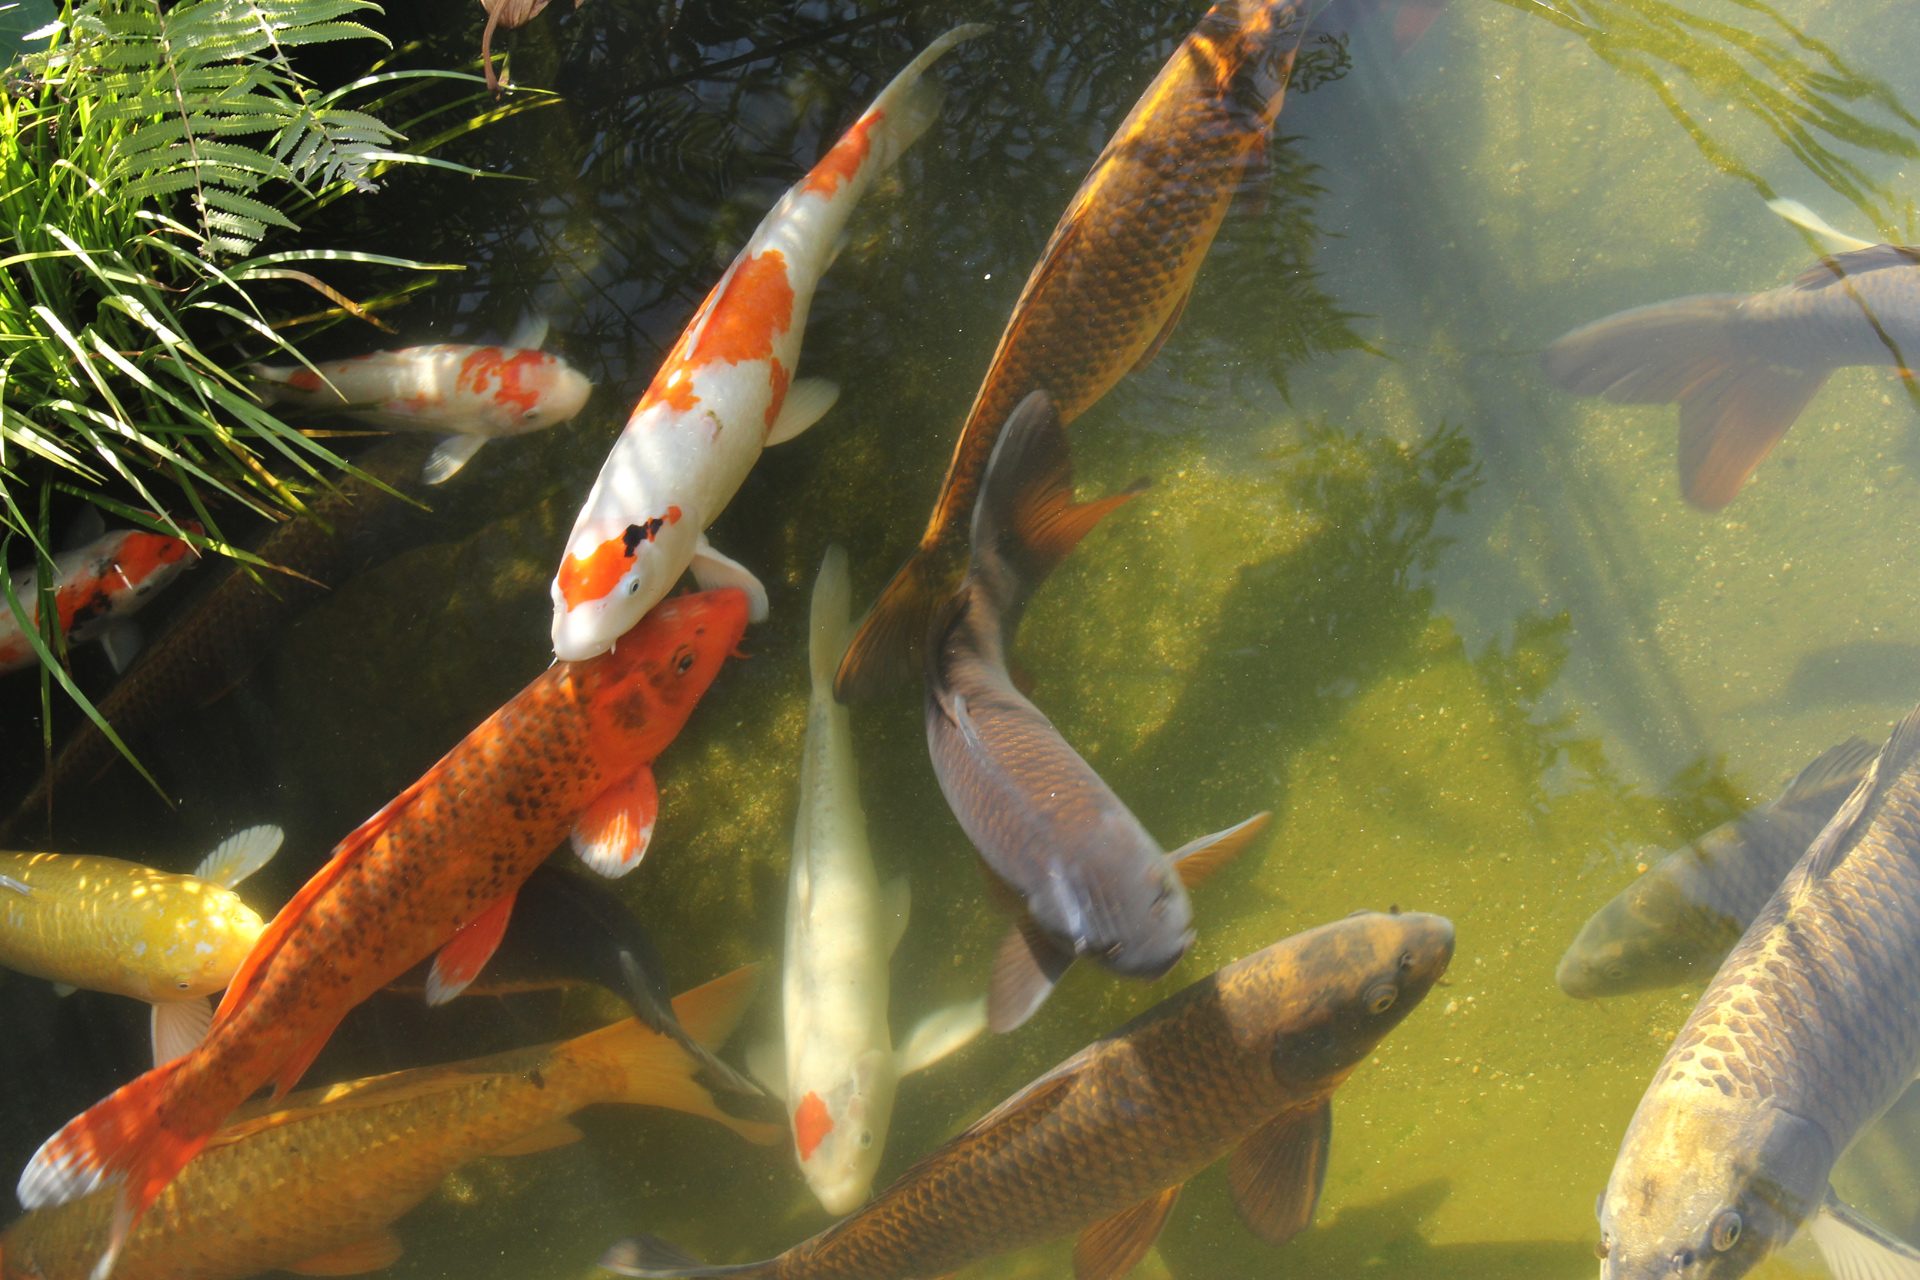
{"type": "Point", "coordinates": [1841, 765]}
{"type": "Point", "coordinates": [1824, 854]}
{"type": "Point", "coordinates": [1857, 262]}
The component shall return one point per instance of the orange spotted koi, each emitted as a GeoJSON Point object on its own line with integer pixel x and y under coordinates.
{"type": "Point", "coordinates": [474, 393]}
{"type": "Point", "coordinates": [726, 391]}
{"type": "Point", "coordinates": [435, 870]}
{"type": "Point", "coordinates": [96, 588]}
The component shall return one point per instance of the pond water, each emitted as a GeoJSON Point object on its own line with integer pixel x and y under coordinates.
{"type": "Point", "coordinates": [1454, 626]}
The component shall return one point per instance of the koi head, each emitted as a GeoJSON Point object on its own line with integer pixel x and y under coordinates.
{"type": "Point", "coordinates": [1346, 986]}
{"type": "Point", "coordinates": [612, 574]}
{"type": "Point", "coordinates": [198, 942]}
{"type": "Point", "coordinates": [548, 392]}
{"type": "Point", "coordinates": [140, 565]}
{"type": "Point", "coordinates": [645, 689]}
{"type": "Point", "coordinates": [840, 1133]}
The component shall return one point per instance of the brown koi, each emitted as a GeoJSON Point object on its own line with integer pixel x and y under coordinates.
{"type": "Point", "coordinates": [1108, 289]}
{"type": "Point", "coordinates": [1246, 1060]}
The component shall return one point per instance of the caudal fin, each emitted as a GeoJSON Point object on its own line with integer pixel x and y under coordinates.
{"type": "Point", "coordinates": [1733, 406]}
{"type": "Point", "coordinates": [657, 1072]}
{"type": "Point", "coordinates": [1025, 520]}
{"type": "Point", "coordinates": [828, 621]}
{"type": "Point", "coordinates": [885, 650]}
{"type": "Point", "coordinates": [119, 1139]}
{"type": "Point", "coordinates": [651, 1256]}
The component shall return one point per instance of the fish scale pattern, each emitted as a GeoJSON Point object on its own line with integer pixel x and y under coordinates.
{"type": "Point", "coordinates": [1143, 1109]}
{"type": "Point", "coordinates": [1805, 1011]}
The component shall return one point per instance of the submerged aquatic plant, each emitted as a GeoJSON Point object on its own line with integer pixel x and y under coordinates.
{"type": "Point", "coordinates": [145, 153]}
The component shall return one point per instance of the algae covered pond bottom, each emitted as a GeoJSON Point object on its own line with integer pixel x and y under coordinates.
{"type": "Point", "coordinates": [1456, 627]}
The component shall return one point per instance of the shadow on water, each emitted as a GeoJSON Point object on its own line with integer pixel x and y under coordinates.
{"type": "Point", "coordinates": [1842, 674]}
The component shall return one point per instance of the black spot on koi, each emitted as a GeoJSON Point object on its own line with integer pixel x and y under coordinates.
{"type": "Point", "coordinates": [639, 533]}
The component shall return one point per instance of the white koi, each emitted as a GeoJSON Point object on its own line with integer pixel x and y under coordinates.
{"type": "Point", "coordinates": [475, 394]}
{"type": "Point", "coordinates": [726, 391]}
{"type": "Point", "coordinates": [841, 1067]}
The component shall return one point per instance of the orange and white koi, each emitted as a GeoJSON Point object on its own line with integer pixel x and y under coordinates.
{"type": "Point", "coordinates": [476, 394]}
{"type": "Point", "coordinates": [97, 587]}
{"type": "Point", "coordinates": [115, 926]}
{"type": "Point", "coordinates": [726, 391]}
{"type": "Point", "coordinates": [842, 928]}
{"type": "Point", "coordinates": [437, 868]}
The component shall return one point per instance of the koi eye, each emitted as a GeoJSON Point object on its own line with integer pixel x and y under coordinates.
{"type": "Point", "coordinates": [1617, 972]}
{"type": "Point", "coordinates": [1726, 1230]}
{"type": "Point", "coordinates": [1601, 1248]}
{"type": "Point", "coordinates": [683, 662]}
{"type": "Point", "coordinates": [1381, 998]}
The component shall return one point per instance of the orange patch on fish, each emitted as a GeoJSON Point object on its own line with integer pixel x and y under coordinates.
{"type": "Point", "coordinates": [305, 380]}
{"type": "Point", "coordinates": [811, 1124]}
{"type": "Point", "coordinates": [143, 553]}
{"type": "Point", "coordinates": [757, 305]}
{"type": "Point", "coordinates": [780, 379]}
{"type": "Point", "coordinates": [492, 363]}
{"type": "Point", "coordinates": [595, 577]}
{"type": "Point", "coordinates": [839, 165]}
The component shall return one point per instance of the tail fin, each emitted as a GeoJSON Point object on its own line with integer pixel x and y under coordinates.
{"type": "Point", "coordinates": [829, 623]}
{"type": "Point", "coordinates": [885, 650]}
{"type": "Point", "coordinates": [119, 1139]}
{"type": "Point", "coordinates": [1025, 517]}
{"type": "Point", "coordinates": [909, 104]}
{"type": "Point", "coordinates": [1733, 407]}
{"type": "Point", "coordinates": [656, 1072]}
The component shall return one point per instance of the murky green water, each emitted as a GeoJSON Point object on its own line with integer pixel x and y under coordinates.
{"type": "Point", "coordinates": [1454, 626]}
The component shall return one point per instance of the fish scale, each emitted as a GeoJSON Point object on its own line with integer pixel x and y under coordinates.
{"type": "Point", "coordinates": [1109, 285]}
{"type": "Point", "coordinates": [1799, 1043]}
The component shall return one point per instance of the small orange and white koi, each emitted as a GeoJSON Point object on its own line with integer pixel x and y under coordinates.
{"type": "Point", "coordinates": [473, 393]}
{"type": "Point", "coordinates": [96, 588]}
{"type": "Point", "coordinates": [726, 391]}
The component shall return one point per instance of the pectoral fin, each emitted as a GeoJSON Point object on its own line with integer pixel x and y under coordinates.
{"type": "Point", "coordinates": [940, 1033]}
{"type": "Point", "coordinates": [1024, 973]}
{"type": "Point", "coordinates": [63, 990]}
{"type": "Point", "coordinates": [1166, 331]}
{"type": "Point", "coordinates": [1275, 1175]}
{"type": "Point", "coordinates": [611, 836]}
{"type": "Point", "coordinates": [1108, 1250]}
{"type": "Point", "coordinates": [240, 855]}
{"type": "Point", "coordinates": [121, 643]}
{"type": "Point", "coordinates": [8, 882]}
{"type": "Point", "coordinates": [451, 454]}
{"type": "Point", "coordinates": [807, 402]}
{"type": "Point", "coordinates": [547, 1137]}
{"type": "Point", "coordinates": [714, 571]}
{"type": "Point", "coordinates": [1856, 1249]}
{"type": "Point", "coordinates": [896, 904]}
{"type": "Point", "coordinates": [1198, 859]}
{"type": "Point", "coordinates": [467, 952]}
{"type": "Point", "coordinates": [381, 1249]}
{"type": "Point", "coordinates": [179, 1025]}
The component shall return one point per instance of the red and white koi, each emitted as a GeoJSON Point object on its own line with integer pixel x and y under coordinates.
{"type": "Point", "coordinates": [726, 391]}
{"type": "Point", "coordinates": [96, 588]}
{"type": "Point", "coordinates": [841, 1067]}
{"type": "Point", "coordinates": [475, 394]}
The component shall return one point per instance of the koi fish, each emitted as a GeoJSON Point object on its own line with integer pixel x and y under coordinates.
{"type": "Point", "coordinates": [726, 391]}
{"type": "Point", "coordinates": [1088, 877]}
{"type": "Point", "coordinates": [1109, 288]}
{"type": "Point", "coordinates": [475, 393]}
{"type": "Point", "coordinates": [96, 588]}
{"type": "Point", "coordinates": [1245, 1060]}
{"type": "Point", "coordinates": [214, 641]}
{"type": "Point", "coordinates": [507, 14]}
{"type": "Point", "coordinates": [1681, 918]}
{"type": "Point", "coordinates": [566, 930]}
{"type": "Point", "coordinates": [345, 1161]}
{"type": "Point", "coordinates": [1802, 1040]}
{"type": "Point", "coordinates": [842, 928]}
{"type": "Point", "coordinates": [1744, 366]}
{"type": "Point", "coordinates": [119, 927]}
{"type": "Point", "coordinates": [435, 870]}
